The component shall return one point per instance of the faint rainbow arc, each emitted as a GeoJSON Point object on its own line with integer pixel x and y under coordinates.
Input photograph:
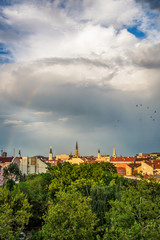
{"type": "Point", "coordinates": [25, 106]}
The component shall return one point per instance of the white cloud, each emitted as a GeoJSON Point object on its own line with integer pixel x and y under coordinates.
{"type": "Point", "coordinates": [12, 122]}
{"type": "Point", "coordinates": [50, 31]}
{"type": "Point", "coordinates": [42, 113]}
{"type": "Point", "coordinates": [78, 61]}
{"type": "Point", "coordinates": [64, 119]}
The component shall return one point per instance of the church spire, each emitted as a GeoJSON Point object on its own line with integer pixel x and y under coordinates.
{"type": "Point", "coordinates": [19, 153]}
{"type": "Point", "coordinates": [114, 152]}
{"type": "Point", "coordinates": [50, 154]}
{"type": "Point", "coordinates": [50, 151]}
{"type": "Point", "coordinates": [99, 154]}
{"type": "Point", "coordinates": [76, 145]}
{"type": "Point", "coordinates": [76, 150]}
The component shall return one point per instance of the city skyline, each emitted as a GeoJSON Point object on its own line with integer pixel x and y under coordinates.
{"type": "Point", "coordinates": [80, 70]}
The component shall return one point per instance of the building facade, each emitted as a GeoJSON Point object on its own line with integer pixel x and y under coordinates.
{"type": "Point", "coordinates": [30, 165]}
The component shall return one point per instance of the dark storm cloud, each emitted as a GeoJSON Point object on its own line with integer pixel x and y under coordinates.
{"type": "Point", "coordinates": [153, 4]}
{"type": "Point", "coordinates": [86, 86]}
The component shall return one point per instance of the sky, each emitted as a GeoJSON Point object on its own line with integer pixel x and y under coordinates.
{"type": "Point", "coordinates": [80, 70]}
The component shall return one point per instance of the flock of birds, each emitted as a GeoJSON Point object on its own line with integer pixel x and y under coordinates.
{"type": "Point", "coordinates": [153, 112]}
{"type": "Point", "coordinates": [142, 111]}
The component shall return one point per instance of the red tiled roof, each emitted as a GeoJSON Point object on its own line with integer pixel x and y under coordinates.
{"type": "Point", "coordinates": [122, 159]}
{"type": "Point", "coordinates": [142, 159]}
{"type": "Point", "coordinates": [92, 161]}
{"type": "Point", "coordinates": [155, 164]}
{"type": "Point", "coordinates": [6, 159]}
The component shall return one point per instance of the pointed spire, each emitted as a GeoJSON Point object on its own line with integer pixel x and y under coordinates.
{"type": "Point", "coordinates": [114, 152]}
{"type": "Point", "coordinates": [76, 150]}
{"type": "Point", "coordinates": [76, 145]}
{"type": "Point", "coordinates": [19, 153]}
{"type": "Point", "coordinates": [50, 151]}
{"type": "Point", "coordinates": [99, 154]}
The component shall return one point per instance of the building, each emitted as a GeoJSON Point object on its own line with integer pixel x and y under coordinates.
{"type": "Point", "coordinates": [151, 168]}
{"type": "Point", "coordinates": [76, 151]}
{"type": "Point", "coordinates": [30, 165]}
{"type": "Point", "coordinates": [121, 163]}
{"type": "Point", "coordinates": [114, 155]}
{"type": "Point", "coordinates": [62, 157]}
{"type": "Point", "coordinates": [102, 158]}
{"type": "Point", "coordinates": [75, 160]}
{"type": "Point", "coordinates": [50, 154]}
{"type": "Point", "coordinates": [133, 168]}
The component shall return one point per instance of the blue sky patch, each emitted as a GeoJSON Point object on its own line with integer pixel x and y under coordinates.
{"type": "Point", "coordinates": [135, 31]}
{"type": "Point", "coordinates": [5, 54]}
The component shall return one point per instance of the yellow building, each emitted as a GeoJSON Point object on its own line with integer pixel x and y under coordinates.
{"type": "Point", "coordinates": [50, 154]}
{"type": "Point", "coordinates": [75, 161]}
{"type": "Point", "coordinates": [62, 157]}
{"type": "Point", "coordinates": [147, 168]}
{"type": "Point", "coordinates": [102, 158]}
{"type": "Point", "coordinates": [133, 168]}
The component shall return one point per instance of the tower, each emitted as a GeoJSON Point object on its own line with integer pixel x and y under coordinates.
{"type": "Point", "coordinates": [76, 151]}
{"type": "Point", "coordinates": [50, 154]}
{"type": "Point", "coordinates": [114, 153]}
{"type": "Point", "coordinates": [99, 154]}
{"type": "Point", "coordinates": [19, 153]}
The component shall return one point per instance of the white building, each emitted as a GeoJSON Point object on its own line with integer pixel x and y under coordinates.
{"type": "Point", "coordinates": [32, 165]}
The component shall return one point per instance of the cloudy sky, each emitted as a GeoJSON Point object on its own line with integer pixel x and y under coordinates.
{"type": "Point", "coordinates": [80, 70]}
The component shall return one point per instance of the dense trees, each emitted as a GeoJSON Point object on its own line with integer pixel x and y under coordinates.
{"type": "Point", "coordinates": [36, 189]}
{"type": "Point", "coordinates": [86, 201]}
{"type": "Point", "coordinates": [136, 215]}
{"type": "Point", "coordinates": [70, 217]}
{"type": "Point", "coordinates": [14, 213]}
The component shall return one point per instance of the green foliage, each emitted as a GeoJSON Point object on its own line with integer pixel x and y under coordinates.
{"type": "Point", "coordinates": [14, 213]}
{"type": "Point", "coordinates": [10, 184]}
{"type": "Point", "coordinates": [136, 215]}
{"type": "Point", "coordinates": [70, 217]}
{"type": "Point", "coordinates": [36, 235]}
{"type": "Point", "coordinates": [12, 174]}
{"type": "Point", "coordinates": [80, 176]}
{"type": "Point", "coordinates": [36, 190]}
{"type": "Point", "coordinates": [101, 196]}
{"type": "Point", "coordinates": [86, 201]}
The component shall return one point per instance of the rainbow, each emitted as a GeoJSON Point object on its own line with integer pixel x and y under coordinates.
{"type": "Point", "coordinates": [26, 105]}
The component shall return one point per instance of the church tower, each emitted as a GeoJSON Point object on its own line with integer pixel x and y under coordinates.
{"type": "Point", "coordinates": [19, 153]}
{"type": "Point", "coordinates": [76, 151]}
{"type": "Point", "coordinates": [50, 154]}
{"type": "Point", "coordinates": [114, 153]}
{"type": "Point", "coordinates": [99, 154]}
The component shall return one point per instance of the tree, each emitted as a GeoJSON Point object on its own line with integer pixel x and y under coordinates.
{"type": "Point", "coordinates": [70, 217]}
{"type": "Point", "coordinates": [36, 190]}
{"type": "Point", "coordinates": [65, 175]}
{"type": "Point", "coordinates": [14, 213]}
{"type": "Point", "coordinates": [12, 173]}
{"type": "Point", "coordinates": [136, 215]}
